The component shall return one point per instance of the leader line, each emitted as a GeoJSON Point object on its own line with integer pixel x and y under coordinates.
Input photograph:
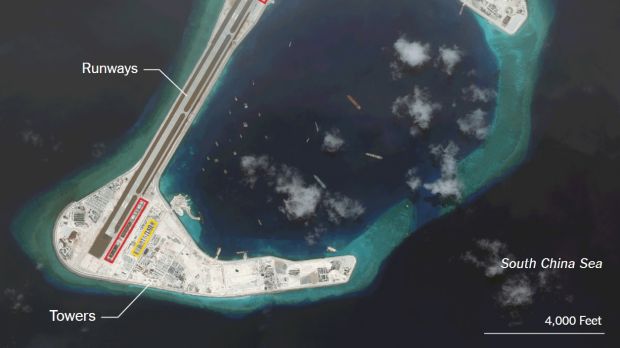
{"type": "Point", "coordinates": [169, 79]}
{"type": "Point", "coordinates": [129, 305]}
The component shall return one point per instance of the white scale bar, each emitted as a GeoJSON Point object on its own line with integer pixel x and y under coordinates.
{"type": "Point", "coordinates": [544, 333]}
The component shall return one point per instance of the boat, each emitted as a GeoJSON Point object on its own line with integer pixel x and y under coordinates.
{"type": "Point", "coordinates": [318, 180]}
{"type": "Point", "coordinates": [354, 102]}
{"type": "Point", "coordinates": [372, 155]}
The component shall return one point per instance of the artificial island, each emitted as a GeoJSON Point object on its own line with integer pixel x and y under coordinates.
{"type": "Point", "coordinates": [126, 232]}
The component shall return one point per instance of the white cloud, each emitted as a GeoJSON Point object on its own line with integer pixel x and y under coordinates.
{"type": "Point", "coordinates": [547, 280]}
{"type": "Point", "coordinates": [493, 251]}
{"type": "Point", "coordinates": [414, 131]}
{"type": "Point", "coordinates": [449, 57]}
{"type": "Point", "coordinates": [301, 199]}
{"type": "Point", "coordinates": [474, 124]}
{"type": "Point", "coordinates": [412, 180]}
{"type": "Point", "coordinates": [517, 291]}
{"type": "Point", "coordinates": [475, 94]}
{"type": "Point", "coordinates": [16, 300]}
{"type": "Point", "coordinates": [414, 53]}
{"type": "Point", "coordinates": [312, 237]}
{"type": "Point", "coordinates": [31, 137]}
{"type": "Point", "coordinates": [340, 207]}
{"type": "Point", "coordinates": [396, 70]}
{"type": "Point", "coordinates": [448, 186]}
{"type": "Point", "coordinates": [252, 166]}
{"type": "Point", "coordinates": [418, 106]}
{"type": "Point", "coordinates": [98, 149]}
{"type": "Point", "coordinates": [333, 141]}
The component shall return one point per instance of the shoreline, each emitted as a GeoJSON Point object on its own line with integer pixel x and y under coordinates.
{"type": "Point", "coordinates": [469, 167]}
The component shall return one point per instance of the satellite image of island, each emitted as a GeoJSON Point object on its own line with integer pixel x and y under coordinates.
{"type": "Point", "coordinates": [310, 173]}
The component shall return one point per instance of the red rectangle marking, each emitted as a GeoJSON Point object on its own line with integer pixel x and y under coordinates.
{"type": "Point", "coordinates": [264, 2]}
{"type": "Point", "coordinates": [118, 233]}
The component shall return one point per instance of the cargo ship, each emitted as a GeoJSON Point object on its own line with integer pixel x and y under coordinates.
{"type": "Point", "coordinates": [354, 102]}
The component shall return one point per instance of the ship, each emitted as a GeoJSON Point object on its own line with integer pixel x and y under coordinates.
{"type": "Point", "coordinates": [372, 155]}
{"type": "Point", "coordinates": [354, 102]}
{"type": "Point", "coordinates": [320, 182]}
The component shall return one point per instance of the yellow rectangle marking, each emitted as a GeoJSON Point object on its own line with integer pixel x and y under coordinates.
{"type": "Point", "coordinates": [145, 237]}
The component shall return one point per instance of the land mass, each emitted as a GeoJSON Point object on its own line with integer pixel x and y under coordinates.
{"type": "Point", "coordinates": [507, 15]}
{"type": "Point", "coordinates": [126, 232]}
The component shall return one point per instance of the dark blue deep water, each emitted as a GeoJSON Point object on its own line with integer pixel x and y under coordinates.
{"type": "Point", "coordinates": [558, 204]}
{"type": "Point", "coordinates": [336, 48]}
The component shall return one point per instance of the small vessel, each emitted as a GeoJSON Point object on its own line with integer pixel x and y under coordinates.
{"type": "Point", "coordinates": [331, 249]}
{"type": "Point", "coordinates": [354, 102]}
{"type": "Point", "coordinates": [372, 155]}
{"type": "Point", "coordinates": [217, 253]}
{"type": "Point", "coordinates": [260, 223]}
{"type": "Point", "coordinates": [318, 180]}
{"type": "Point", "coordinates": [316, 126]}
{"type": "Point", "coordinates": [290, 44]}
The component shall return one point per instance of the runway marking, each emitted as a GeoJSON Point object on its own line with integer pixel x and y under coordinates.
{"type": "Point", "coordinates": [150, 170]}
{"type": "Point", "coordinates": [125, 231]}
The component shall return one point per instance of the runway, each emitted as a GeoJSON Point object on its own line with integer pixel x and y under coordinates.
{"type": "Point", "coordinates": [227, 36]}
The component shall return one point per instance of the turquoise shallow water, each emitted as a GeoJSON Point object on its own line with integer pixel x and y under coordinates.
{"type": "Point", "coordinates": [504, 148]}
